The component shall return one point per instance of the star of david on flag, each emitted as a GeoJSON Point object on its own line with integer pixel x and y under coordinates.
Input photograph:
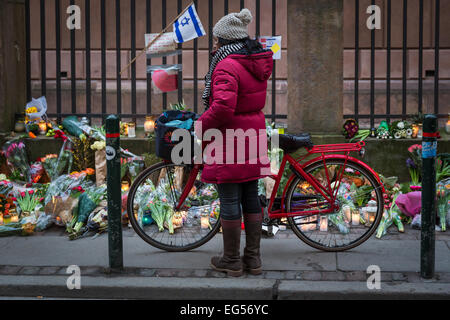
{"type": "Point", "coordinates": [188, 26]}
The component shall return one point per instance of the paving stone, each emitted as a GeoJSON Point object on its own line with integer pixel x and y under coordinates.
{"type": "Point", "coordinates": [87, 271]}
{"type": "Point", "coordinates": [216, 274]}
{"type": "Point", "coordinates": [356, 276]}
{"type": "Point", "coordinates": [398, 276]}
{"type": "Point", "coordinates": [10, 270]}
{"type": "Point", "coordinates": [444, 277]}
{"type": "Point", "coordinates": [312, 275]}
{"type": "Point", "coordinates": [49, 270]}
{"type": "Point", "coordinates": [199, 273]}
{"type": "Point", "coordinates": [166, 273]}
{"type": "Point", "coordinates": [146, 272]}
{"type": "Point", "coordinates": [333, 276]}
{"type": "Point", "coordinates": [293, 275]}
{"type": "Point", "coordinates": [274, 275]}
{"type": "Point", "coordinates": [29, 270]}
{"type": "Point", "coordinates": [413, 277]}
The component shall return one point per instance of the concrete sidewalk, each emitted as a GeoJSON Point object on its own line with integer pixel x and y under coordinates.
{"type": "Point", "coordinates": [36, 266]}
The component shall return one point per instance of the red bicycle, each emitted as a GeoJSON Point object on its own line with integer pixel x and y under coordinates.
{"type": "Point", "coordinates": [330, 200]}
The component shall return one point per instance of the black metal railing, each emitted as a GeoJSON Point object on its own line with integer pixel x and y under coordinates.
{"type": "Point", "coordinates": [374, 116]}
{"type": "Point", "coordinates": [152, 7]}
{"type": "Point", "coordinates": [111, 10]}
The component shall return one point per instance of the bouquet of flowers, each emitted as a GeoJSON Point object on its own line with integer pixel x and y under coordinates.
{"type": "Point", "coordinates": [443, 203]}
{"type": "Point", "coordinates": [14, 152]}
{"type": "Point", "coordinates": [414, 163]}
{"type": "Point", "coordinates": [5, 187]}
{"type": "Point", "coordinates": [350, 129]}
{"type": "Point", "coordinates": [27, 202]}
{"type": "Point", "coordinates": [64, 184]}
{"type": "Point", "coordinates": [87, 203]}
{"type": "Point", "coordinates": [401, 130]}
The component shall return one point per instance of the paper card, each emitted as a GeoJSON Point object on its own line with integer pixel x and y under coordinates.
{"type": "Point", "coordinates": [273, 43]}
{"type": "Point", "coordinates": [165, 43]}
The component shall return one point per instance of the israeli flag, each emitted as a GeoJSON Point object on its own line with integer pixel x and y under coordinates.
{"type": "Point", "coordinates": [188, 26]}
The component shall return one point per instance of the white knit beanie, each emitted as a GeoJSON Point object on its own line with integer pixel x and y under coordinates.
{"type": "Point", "coordinates": [233, 26]}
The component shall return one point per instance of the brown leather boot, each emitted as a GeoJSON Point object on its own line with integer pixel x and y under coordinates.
{"type": "Point", "coordinates": [230, 262]}
{"type": "Point", "coordinates": [252, 257]}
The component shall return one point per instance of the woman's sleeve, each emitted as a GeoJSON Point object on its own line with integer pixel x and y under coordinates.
{"type": "Point", "coordinates": [224, 98]}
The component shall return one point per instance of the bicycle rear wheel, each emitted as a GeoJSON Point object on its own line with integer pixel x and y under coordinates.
{"type": "Point", "coordinates": [152, 202]}
{"type": "Point", "coordinates": [350, 226]}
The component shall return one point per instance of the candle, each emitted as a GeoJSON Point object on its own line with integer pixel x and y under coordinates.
{"type": "Point", "coordinates": [1, 219]}
{"type": "Point", "coordinates": [131, 130]}
{"type": "Point", "coordinates": [415, 129]}
{"type": "Point", "coordinates": [447, 125]}
{"type": "Point", "coordinates": [204, 221]}
{"type": "Point", "coordinates": [347, 213]}
{"type": "Point", "coordinates": [420, 132]}
{"type": "Point", "coordinates": [371, 217]}
{"type": "Point", "coordinates": [14, 218]}
{"type": "Point", "coordinates": [42, 127]}
{"type": "Point", "coordinates": [149, 125]}
{"type": "Point", "coordinates": [355, 217]}
{"type": "Point", "coordinates": [6, 218]}
{"type": "Point", "coordinates": [125, 186]}
{"type": "Point", "coordinates": [323, 223]}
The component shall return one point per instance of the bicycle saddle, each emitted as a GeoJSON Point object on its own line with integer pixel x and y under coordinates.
{"type": "Point", "coordinates": [291, 143]}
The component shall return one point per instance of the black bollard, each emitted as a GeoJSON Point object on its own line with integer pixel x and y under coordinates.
{"type": "Point", "coordinates": [429, 151]}
{"type": "Point", "coordinates": [114, 193]}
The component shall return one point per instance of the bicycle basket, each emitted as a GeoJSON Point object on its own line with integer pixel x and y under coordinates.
{"type": "Point", "coordinates": [163, 132]}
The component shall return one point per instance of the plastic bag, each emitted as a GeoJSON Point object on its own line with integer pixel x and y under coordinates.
{"type": "Point", "coordinates": [417, 222]}
{"type": "Point", "coordinates": [36, 171]}
{"type": "Point", "coordinates": [36, 109]}
{"type": "Point", "coordinates": [16, 156]}
{"type": "Point", "coordinates": [100, 167]}
{"type": "Point", "coordinates": [64, 184]}
{"type": "Point", "coordinates": [43, 222]}
{"type": "Point", "coordinates": [385, 223]}
{"type": "Point", "coordinates": [75, 127]}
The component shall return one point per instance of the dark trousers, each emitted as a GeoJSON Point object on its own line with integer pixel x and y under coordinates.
{"type": "Point", "coordinates": [238, 198]}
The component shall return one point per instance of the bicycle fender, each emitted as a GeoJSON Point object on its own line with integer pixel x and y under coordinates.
{"type": "Point", "coordinates": [344, 157]}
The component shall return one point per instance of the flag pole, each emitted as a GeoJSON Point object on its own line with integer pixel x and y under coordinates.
{"type": "Point", "coordinates": [156, 38]}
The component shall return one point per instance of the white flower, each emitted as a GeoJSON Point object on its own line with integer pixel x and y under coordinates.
{"type": "Point", "coordinates": [409, 132]}
{"type": "Point", "coordinates": [397, 135]}
{"type": "Point", "coordinates": [401, 125]}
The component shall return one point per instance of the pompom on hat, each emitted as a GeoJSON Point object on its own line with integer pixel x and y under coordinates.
{"type": "Point", "coordinates": [233, 26]}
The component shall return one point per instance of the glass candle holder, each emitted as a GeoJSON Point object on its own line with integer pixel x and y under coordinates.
{"type": "Point", "coordinates": [355, 217]}
{"type": "Point", "coordinates": [42, 127]}
{"type": "Point", "coordinates": [149, 125]}
{"type": "Point", "coordinates": [125, 186]}
{"type": "Point", "coordinates": [1, 219]}
{"type": "Point", "coordinates": [131, 130]}
{"type": "Point", "coordinates": [323, 224]}
{"type": "Point", "coordinates": [14, 217]}
{"type": "Point", "coordinates": [347, 213]}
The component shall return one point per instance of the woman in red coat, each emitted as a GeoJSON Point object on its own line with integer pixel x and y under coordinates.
{"type": "Point", "coordinates": [235, 94]}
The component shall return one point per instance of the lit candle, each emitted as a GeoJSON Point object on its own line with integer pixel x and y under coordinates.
{"type": "Point", "coordinates": [347, 213]}
{"type": "Point", "coordinates": [204, 221]}
{"type": "Point", "coordinates": [6, 218]}
{"type": "Point", "coordinates": [355, 217]}
{"type": "Point", "coordinates": [1, 219]}
{"type": "Point", "coordinates": [149, 125]}
{"type": "Point", "coordinates": [415, 129]}
{"type": "Point", "coordinates": [125, 186]}
{"type": "Point", "coordinates": [14, 218]}
{"type": "Point", "coordinates": [447, 125]}
{"type": "Point", "coordinates": [371, 217]}
{"type": "Point", "coordinates": [131, 130]}
{"type": "Point", "coordinates": [42, 127]}
{"type": "Point", "coordinates": [323, 223]}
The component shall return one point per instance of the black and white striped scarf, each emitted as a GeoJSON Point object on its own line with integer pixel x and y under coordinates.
{"type": "Point", "coordinates": [221, 54]}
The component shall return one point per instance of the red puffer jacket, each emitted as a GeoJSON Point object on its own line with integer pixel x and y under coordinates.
{"type": "Point", "coordinates": [238, 95]}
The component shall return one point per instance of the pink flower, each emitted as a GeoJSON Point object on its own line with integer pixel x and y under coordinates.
{"type": "Point", "coordinates": [22, 194]}
{"type": "Point", "coordinates": [414, 147]}
{"type": "Point", "coordinates": [41, 200]}
{"type": "Point", "coordinates": [30, 192]}
{"type": "Point", "coordinates": [14, 199]}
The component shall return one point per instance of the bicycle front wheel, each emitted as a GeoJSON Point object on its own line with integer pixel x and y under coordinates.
{"type": "Point", "coordinates": [360, 201]}
{"type": "Point", "coordinates": [152, 202]}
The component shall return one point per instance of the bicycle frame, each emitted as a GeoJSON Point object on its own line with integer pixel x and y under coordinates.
{"type": "Point", "coordinates": [329, 194]}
